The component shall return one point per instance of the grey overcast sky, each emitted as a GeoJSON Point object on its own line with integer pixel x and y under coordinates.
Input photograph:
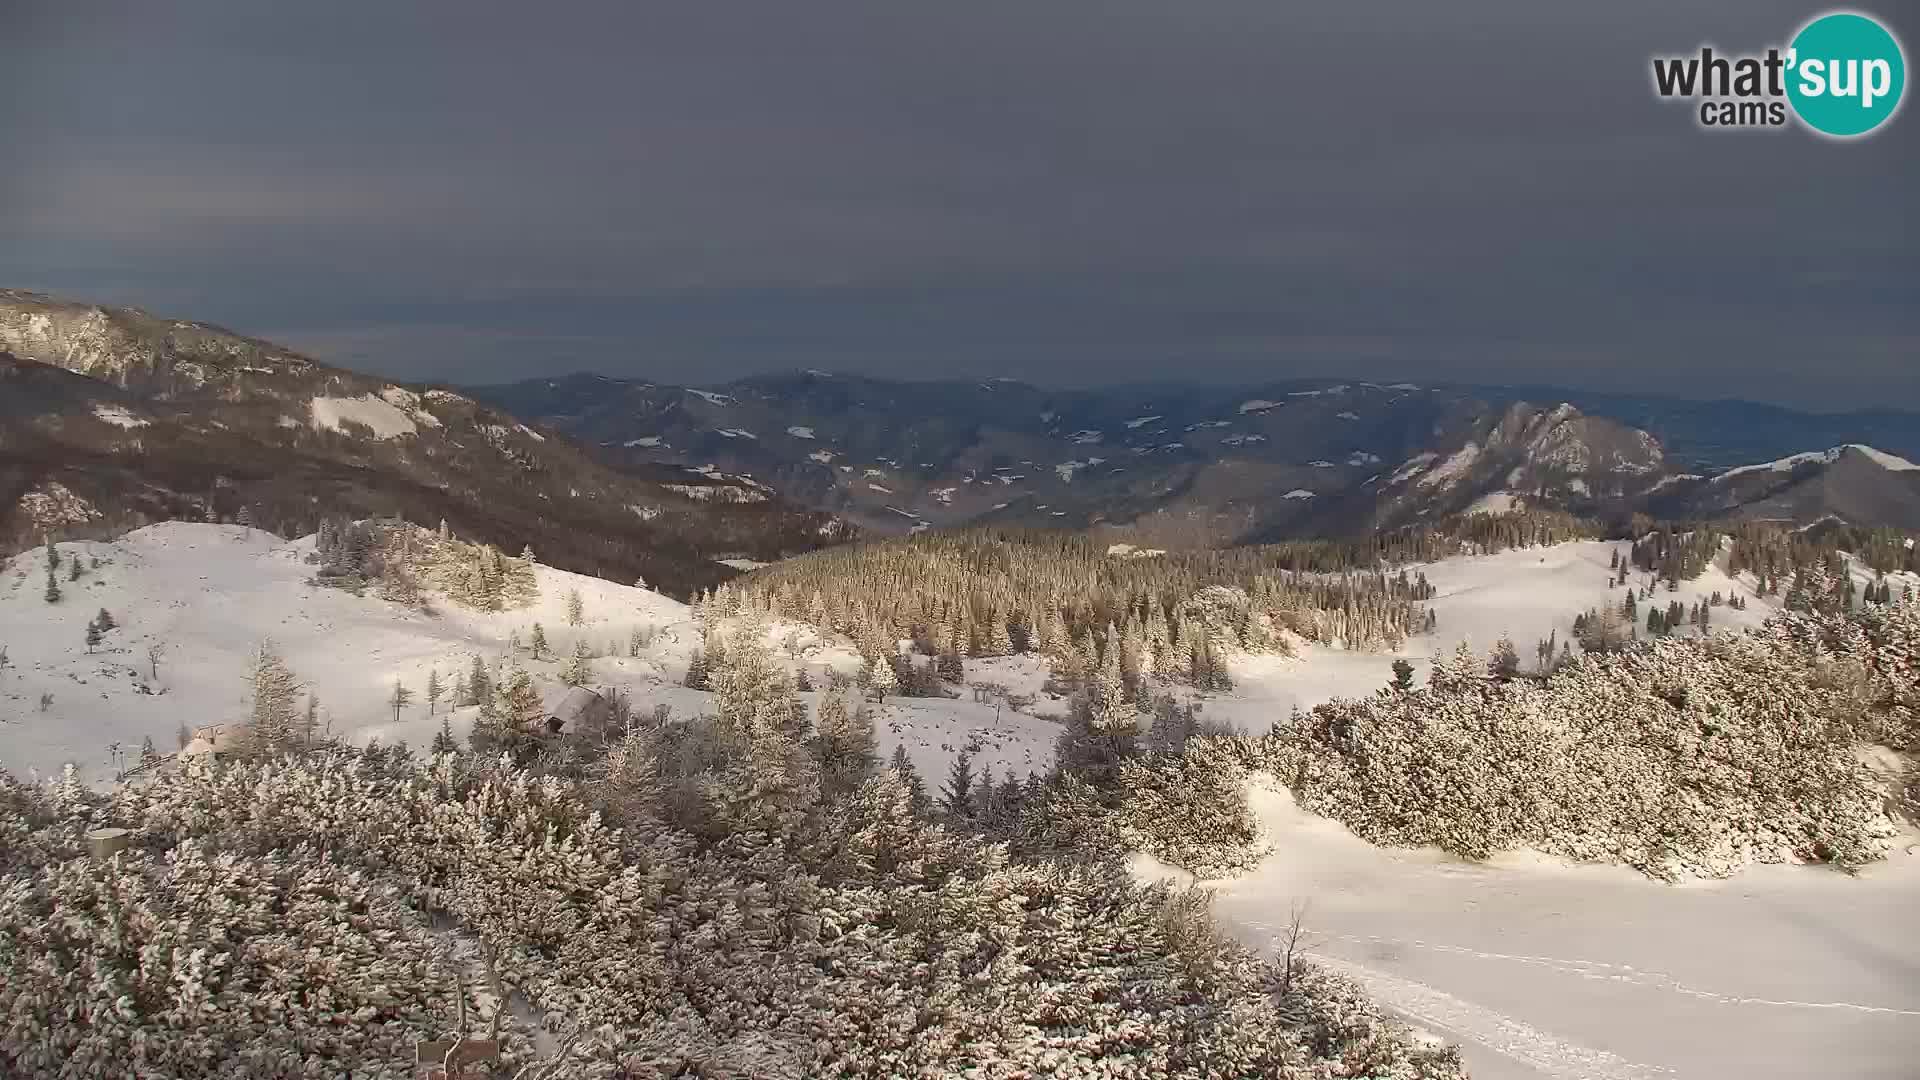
{"type": "Point", "coordinates": [1065, 191]}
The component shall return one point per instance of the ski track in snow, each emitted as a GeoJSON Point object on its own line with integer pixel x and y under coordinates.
{"type": "Point", "coordinates": [1622, 973]}
{"type": "Point", "coordinates": [1547, 1054]}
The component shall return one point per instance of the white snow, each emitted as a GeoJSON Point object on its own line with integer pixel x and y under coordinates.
{"type": "Point", "coordinates": [1413, 466]}
{"type": "Point", "coordinates": [400, 398]}
{"type": "Point", "coordinates": [1524, 593]}
{"type": "Point", "coordinates": [1495, 502]}
{"type": "Point", "coordinates": [1298, 493]}
{"type": "Point", "coordinates": [1258, 405]}
{"type": "Point", "coordinates": [1066, 469]}
{"type": "Point", "coordinates": [1085, 438]}
{"type": "Point", "coordinates": [743, 564]}
{"type": "Point", "coordinates": [1546, 970]}
{"type": "Point", "coordinates": [1128, 551]}
{"type": "Point", "coordinates": [529, 433]}
{"type": "Point", "coordinates": [644, 440]}
{"type": "Point", "coordinates": [209, 594]}
{"type": "Point", "coordinates": [736, 433]}
{"type": "Point", "coordinates": [1141, 421]}
{"type": "Point", "coordinates": [1243, 440]}
{"type": "Point", "coordinates": [387, 422]}
{"type": "Point", "coordinates": [711, 397]}
{"type": "Point", "coordinates": [1668, 481]}
{"type": "Point", "coordinates": [1828, 456]}
{"type": "Point", "coordinates": [1347, 415]}
{"type": "Point", "coordinates": [1361, 457]}
{"type": "Point", "coordinates": [212, 593]}
{"type": "Point", "coordinates": [1886, 460]}
{"type": "Point", "coordinates": [118, 416]}
{"type": "Point", "coordinates": [824, 457]}
{"type": "Point", "coordinates": [878, 488]}
{"type": "Point", "coordinates": [800, 432]}
{"type": "Point", "coordinates": [1454, 467]}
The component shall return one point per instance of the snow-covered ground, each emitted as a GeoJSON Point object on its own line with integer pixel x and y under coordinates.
{"type": "Point", "coordinates": [1540, 969]}
{"type": "Point", "coordinates": [210, 594]}
{"type": "Point", "coordinates": [1544, 970]}
{"type": "Point", "coordinates": [1525, 594]}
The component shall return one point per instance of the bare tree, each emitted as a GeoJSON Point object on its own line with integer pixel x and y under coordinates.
{"type": "Point", "coordinates": [1292, 942]}
{"type": "Point", "coordinates": [153, 659]}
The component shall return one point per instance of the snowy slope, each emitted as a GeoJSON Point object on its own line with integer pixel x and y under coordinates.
{"type": "Point", "coordinates": [211, 593]}
{"type": "Point", "coordinates": [1542, 970]}
{"type": "Point", "coordinates": [1524, 593]}
{"type": "Point", "coordinates": [1549, 972]}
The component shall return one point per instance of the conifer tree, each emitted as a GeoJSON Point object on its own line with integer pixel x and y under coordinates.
{"type": "Point", "coordinates": [575, 608]}
{"type": "Point", "coordinates": [881, 678]}
{"type": "Point", "coordinates": [538, 642]}
{"type": "Point", "coordinates": [479, 686]}
{"type": "Point", "coordinates": [270, 720]}
{"type": "Point", "coordinates": [957, 795]}
{"type": "Point", "coordinates": [443, 741]}
{"type": "Point", "coordinates": [579, 670]}
{"type": "Point", "coordinates": [399, 699]}
{"type": "Point", "coordinates": [433, 690]}
{"type": "Point", "coordinates": [998, 641]}
{"type": "Point", "coordinates": [917, 790]}
{"type": "Point", "coordinates": [1504, 663]}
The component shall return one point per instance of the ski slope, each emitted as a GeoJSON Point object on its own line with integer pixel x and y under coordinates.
{"type": "Point", "coordinates": [209, 595]}
{"type": "Point", "coordinates": [1548, 971]}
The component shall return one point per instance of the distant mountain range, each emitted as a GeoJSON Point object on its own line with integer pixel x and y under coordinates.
{"type": "Point", "coordinates": [1183, 464]}
{"type": "Point", "coordinates": [111, 418]}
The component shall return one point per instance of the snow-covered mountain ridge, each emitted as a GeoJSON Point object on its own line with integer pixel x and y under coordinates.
{"type": "Point", "coordinates": [111, 418]}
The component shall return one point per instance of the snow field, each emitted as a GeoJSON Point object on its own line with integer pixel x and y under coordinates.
{"type": "Point", "coordinates": [210, 594]}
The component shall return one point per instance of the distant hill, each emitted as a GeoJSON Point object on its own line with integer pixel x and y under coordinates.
{"type": "Point", "coordinates": [111, 418]}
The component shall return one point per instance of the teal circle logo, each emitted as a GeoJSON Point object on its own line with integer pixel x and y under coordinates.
{"type": "Point", "coordinates": [1845, 74]}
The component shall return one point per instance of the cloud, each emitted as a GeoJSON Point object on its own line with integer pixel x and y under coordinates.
{"type": "Point", "coordinates": [1076, 191]}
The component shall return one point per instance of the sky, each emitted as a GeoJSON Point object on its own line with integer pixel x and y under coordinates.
{"type": "Point", "coordinates": [1071, 192]}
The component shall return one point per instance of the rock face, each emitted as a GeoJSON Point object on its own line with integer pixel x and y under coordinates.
{"type": "Point", "coordinates": [111, 418]}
